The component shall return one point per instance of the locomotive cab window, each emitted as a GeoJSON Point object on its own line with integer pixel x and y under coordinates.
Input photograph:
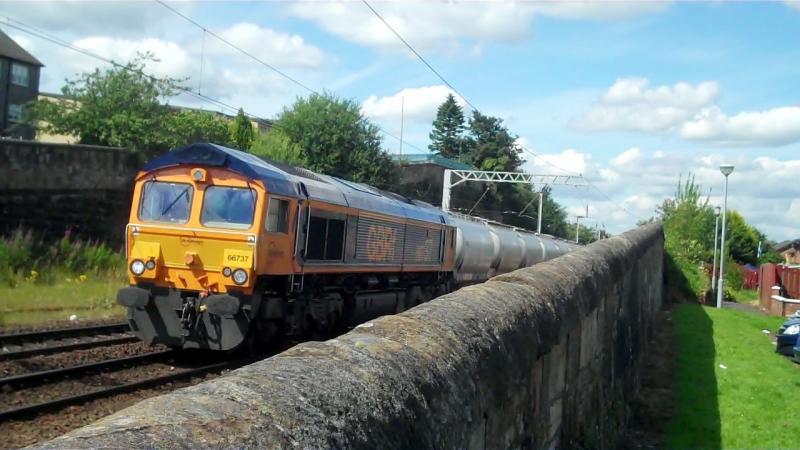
{"type": "Point", "coordinates": [278, 215]}
{"type": "Point", "coordinates": [228, 207]}
{"type": "Point", "coordinates": [325, 237]}
{"type": "Point", "coordinates": [165, 202]}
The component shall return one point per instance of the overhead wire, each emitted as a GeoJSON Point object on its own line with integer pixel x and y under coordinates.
{"type": "Point", "coordinates": [269, 66]}
{"type": "Point", "coordinates": [33, 31]}
{"type": "Point", "coordinates": [475, 108]}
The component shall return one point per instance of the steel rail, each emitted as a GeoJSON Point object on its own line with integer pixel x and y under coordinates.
{"type": "Point", "coordinates": [33, 378]}
{"type": "Point", "coordinates": [24, 411]}
{"type": "Point", "coordinates": [28, 352]}
{"type": "Point", "coordinates": [63, 333]}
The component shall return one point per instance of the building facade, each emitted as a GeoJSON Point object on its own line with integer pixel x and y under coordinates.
{"type": "Point", "coordinates": [19, 85]}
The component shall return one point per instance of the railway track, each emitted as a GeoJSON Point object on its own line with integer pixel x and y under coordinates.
{"type": "Point", "coordinates": [27, 344]}
{"type": "Point", "coordinates": [34, 379]}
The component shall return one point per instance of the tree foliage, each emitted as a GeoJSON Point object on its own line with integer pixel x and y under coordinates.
{"type": "Point", "coordinates": [190, 126]}
{"type": "Point", "coordinates": [242, 133]}
{"type": "Point", "coordinates": [276, 146]}
{"type": "Point", "coordinates": [689, 223]}
{"type": "Point", "coordinates": [117, 106]}
{"type": "Point", "coordinates": [337, 139]}
{"type": "Point", "coordinates": [122, 106]}
{"type": "Point", "coordinates": [447, 136]}
{"type": "Point", "coordinates": [491, 145]}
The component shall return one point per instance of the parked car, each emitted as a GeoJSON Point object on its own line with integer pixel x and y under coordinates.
{"type": "Point", "coordinates": [786, 337]}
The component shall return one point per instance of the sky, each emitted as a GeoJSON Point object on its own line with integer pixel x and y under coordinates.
{"type": "Point", "coordinates": [634, 96]}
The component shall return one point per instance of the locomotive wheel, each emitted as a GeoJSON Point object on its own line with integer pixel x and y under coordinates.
{"type": "Point", "coordinates": [414, 296]}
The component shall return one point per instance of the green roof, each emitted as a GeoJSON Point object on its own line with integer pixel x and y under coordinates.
{"type": "Point", "coordinates": [430, 158]}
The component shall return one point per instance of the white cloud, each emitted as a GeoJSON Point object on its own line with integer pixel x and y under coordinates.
{"type": "Point", "coordinates": [117, 18]}
{"type": "Point", "coordinates": [569, 161]}
{"type": "Point", "coordinates": [451, 26]}
{"type": "Point", "coordinates": [627, 157]}
{"type": "Point", "coordinates": [763, 189]}
{"type": "Point", "coordinates": [792, 3]}
{"type": "Point", "coordinates": [171, 59]}
{"type": "Point", "coordinates": [598, 9]}
{"type": "Point", "coordinates": [688, 110]}
{"type": "Point", "coordinates": [270, 46]}
{"type": "Point", "coordinates": [427, 25]}
{"type": "Point", "coordinates": [774, 127]}
{"type": "Point", "coordinates": [419, 104]}
{"type": "Point", "coordinates": [630, 104]}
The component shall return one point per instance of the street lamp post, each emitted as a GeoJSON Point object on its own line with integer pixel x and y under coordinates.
{"type": "Point", "coordinates": [726, 170]}
{"type": "Point", "coordinates": [578, 228]}
{"type": "Point", "coordinates": [716, 236]}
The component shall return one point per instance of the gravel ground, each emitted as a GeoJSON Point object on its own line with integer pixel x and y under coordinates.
{"type": "Point", "coordinates": [58, 324]}
{"type": "Point", "coordinates": [48, 426]}
{"type": "Point", "coordinates": [74, 358]}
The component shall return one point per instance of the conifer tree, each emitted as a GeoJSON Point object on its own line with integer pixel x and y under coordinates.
{"type": "Point", "coordinates": [448, 129]}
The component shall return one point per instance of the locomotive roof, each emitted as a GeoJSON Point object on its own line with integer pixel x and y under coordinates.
{"type": "Point", "coordinates": [283, 179]}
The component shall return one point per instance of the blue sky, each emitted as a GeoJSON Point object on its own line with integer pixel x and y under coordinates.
{"type": "Point", "coordinates": [633, 95]}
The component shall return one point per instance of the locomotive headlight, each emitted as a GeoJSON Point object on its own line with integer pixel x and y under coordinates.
{"type": "Point", "coordinates": [239, 276]}
{"type": "Point", "coordinates": [137, 267]}
{"type": "Point", "coordinates": [150, 264]}
{"type": "Point", "coordinates": [226, 271]}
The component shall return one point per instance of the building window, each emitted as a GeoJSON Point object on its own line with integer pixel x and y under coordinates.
{"type": "Point", "coordinates": [20, 74]}
{"type": "Point", "coordinates": [14, 113]}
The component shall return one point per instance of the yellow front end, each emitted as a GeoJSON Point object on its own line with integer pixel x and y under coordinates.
{"type": "Point", "coordinates": [187, 259]}
{"type": "Point", "coordinates": [191, 250]}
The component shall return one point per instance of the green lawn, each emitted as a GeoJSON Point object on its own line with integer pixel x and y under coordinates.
{"type": "Point", "coordinates": [749, 404]}
{"type": "Point", "coordinates": [30, 303]}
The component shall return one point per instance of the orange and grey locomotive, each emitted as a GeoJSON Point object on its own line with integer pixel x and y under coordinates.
{"type": "Point", "coordinates": [224, 248]}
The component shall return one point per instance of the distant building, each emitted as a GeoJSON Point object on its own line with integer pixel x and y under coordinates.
{"type": "Point", "coordinates": [422, 175]}
{"type": "Point", "coordinates": [789, 250]}
{"type": "Point", "coordinates": [19, 84]}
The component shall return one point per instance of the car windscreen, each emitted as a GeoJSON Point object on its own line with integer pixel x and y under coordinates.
{"type": "Point", "coordinates": [165, 202]}
{"type": "Point", "coordinates": [228, 207]}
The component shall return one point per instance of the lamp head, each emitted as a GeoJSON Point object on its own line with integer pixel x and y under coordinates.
{"type": "Point", "coordinates": [716, 210]}
{"type": "Point", "coordinates": [726, 169]}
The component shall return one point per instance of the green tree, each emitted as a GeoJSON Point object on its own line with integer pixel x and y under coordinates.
{"type": "Point", "coordinates": [118, 106]}
{"type": "Point", "coordinates": [190, 126]}
{"type": "Point", "coordinates": [276, 146]}
{"type": "Point", "coordinates": [242, 133]}
{"type": "Point", "coordinates": [492, 146]}
{"type": "Point", "coordinates": [447, 136]}
{"type": "Point", "coordinates": [337, 139]}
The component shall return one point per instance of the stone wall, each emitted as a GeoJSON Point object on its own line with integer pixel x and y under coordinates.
{"type": "Point", "coordinates": [547, 356]}
{"type": "Point", "coordinates": [50, 188]}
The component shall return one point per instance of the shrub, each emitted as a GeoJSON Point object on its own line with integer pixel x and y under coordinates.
{"type": "Point", "coordinates": [38, 260]}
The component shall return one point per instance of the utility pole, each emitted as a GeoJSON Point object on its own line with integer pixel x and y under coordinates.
{"type": "Point", "coordinates": [402, 114]}
{"type": "Point", "coordinates": [726, 170]}
{"type": "Point", "coordinates": [539, 217]}
{"type": "Point", "coordinates": [714, 263]}
{"type": "Point", "coordinates": [578, 228]}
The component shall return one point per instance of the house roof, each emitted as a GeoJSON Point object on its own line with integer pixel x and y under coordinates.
{"type": "Point", "coordinates": [10, 49]}
{"type": "Point", "coordinates": [785, 245]}
{"type": "Point", "coordinates": [430, 158]}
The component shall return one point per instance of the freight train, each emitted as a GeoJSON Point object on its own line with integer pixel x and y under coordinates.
{"type": "Point", "coordinates": [226, 250]}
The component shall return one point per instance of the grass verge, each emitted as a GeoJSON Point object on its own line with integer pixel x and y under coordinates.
{"type": "Point", "coordinates": [747, 404]}
{"type": "Point", "coordinates": [31, 303]}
